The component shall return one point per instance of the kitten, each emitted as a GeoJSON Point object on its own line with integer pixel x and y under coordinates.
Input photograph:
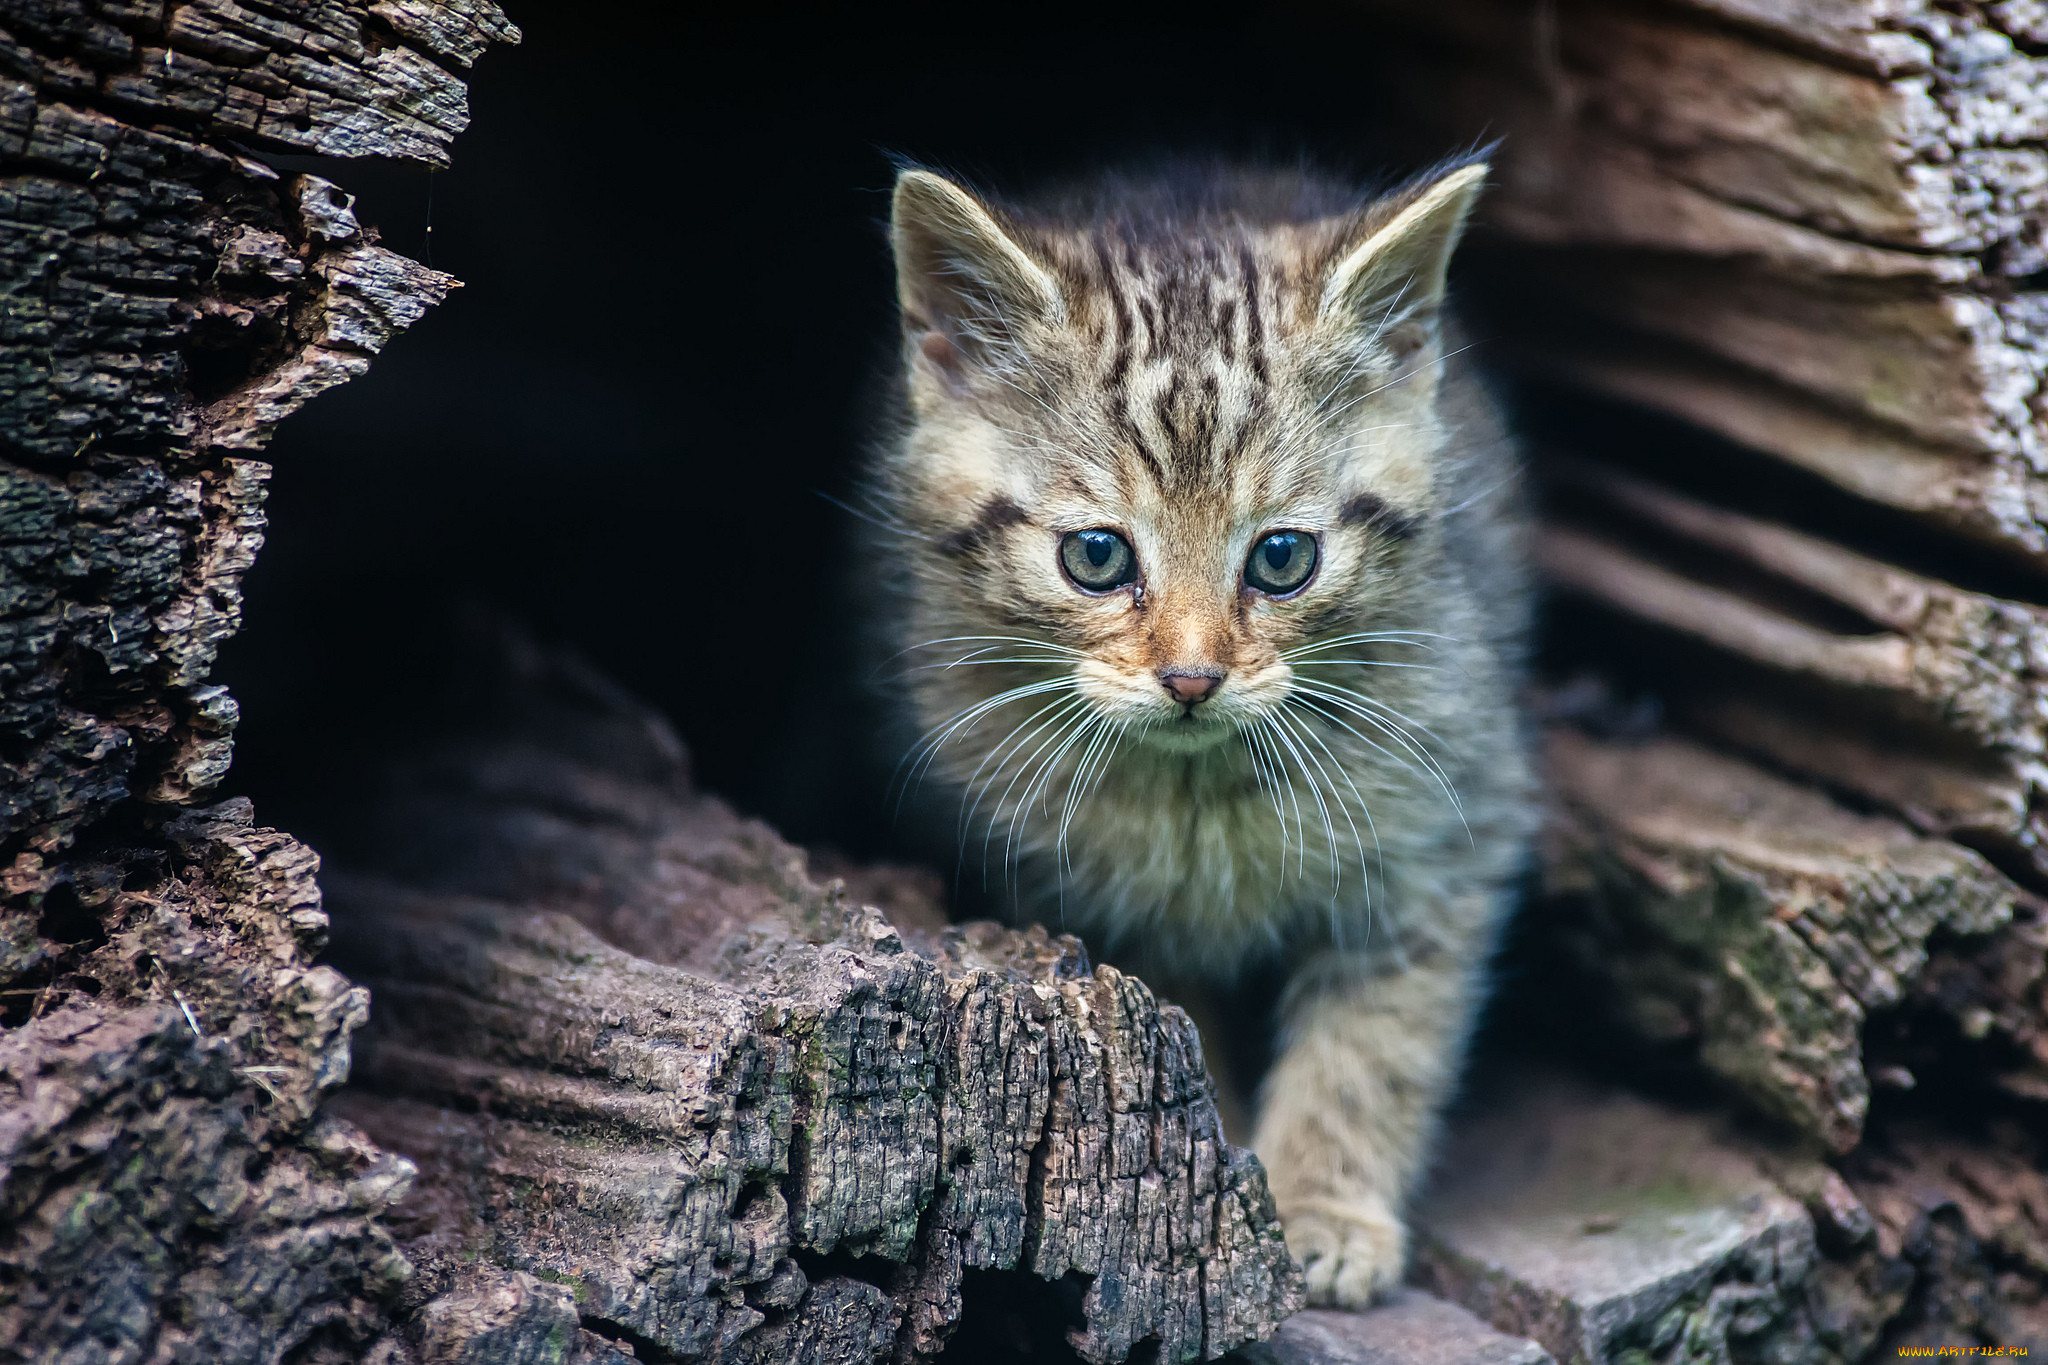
{"type": "Point", "coordinates": [1211, 585]}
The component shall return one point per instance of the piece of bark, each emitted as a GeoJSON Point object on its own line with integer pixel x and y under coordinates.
{"type": "Point", "coordinates": [637, 1051]}
{"type": "Point", "coordinates": [1599, 1224]}
{"type": "Point", "coordinates": [1615, 1231]}
{"type": "Point", "coordinates": [1977, 799]}
{"type": "Point", "coordinates": [1409, 1328]}
{"type": "Point", "coordinates": [171, 299]}
{"type": "Point", "coordinates": [1959, 1229]}
{"type": "Point", "coordinates": [1752, 916]}
{"type": "Point", "coordinates": [1905, 692]}
{"type": "Point", "coordinates": [170, 1186]}
{"type": "Point", "coordinates": [1644, 104]}
{"type": "Point", "coordinates": [1995, 500]}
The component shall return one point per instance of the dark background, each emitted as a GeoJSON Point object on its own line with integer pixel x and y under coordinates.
{"type": "Point", "coordinates": [677, 295]}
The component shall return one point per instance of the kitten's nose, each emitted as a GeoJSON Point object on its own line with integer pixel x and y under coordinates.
{"type": "Point", "coordinates": [1190, 687]}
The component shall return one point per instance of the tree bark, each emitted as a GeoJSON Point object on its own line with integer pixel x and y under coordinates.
{"type": "Point", "coordinates": [1810, 232]}
{"type": "Point", "coordinates": [1768, 277]}
{"type": "Point", "coordinates": [1836, 207]}
{"type": "Point", "coordinates": [170, 1186]}
{"type": "Point", "coordinates": [642, 1085]}
{"type": "Point", "coordinates": [639, 1052]}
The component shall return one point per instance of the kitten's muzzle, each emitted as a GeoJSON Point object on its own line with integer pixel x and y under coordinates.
{"type": "Point", "coordinates": [1189, 688]}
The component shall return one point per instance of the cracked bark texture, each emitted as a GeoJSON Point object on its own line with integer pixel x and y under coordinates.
{"type": "Point", "coordinates": [170, 1186]}
{"type": "Point", "coordinates": [650, 1067]}
{"type": "Point", "coordinates": [1775, 269]}
{"type": "Point", "coordinates": [1769, 277]}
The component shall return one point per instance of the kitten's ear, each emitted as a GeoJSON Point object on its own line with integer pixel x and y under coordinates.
{"type": "Point", "coordinates": [1391, 283]}
{"type": "Point", "coordinates": [965, 284]}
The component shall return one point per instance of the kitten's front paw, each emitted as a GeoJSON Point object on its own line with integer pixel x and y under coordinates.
{"type": "Point", "coordinates": [1352, 1252]}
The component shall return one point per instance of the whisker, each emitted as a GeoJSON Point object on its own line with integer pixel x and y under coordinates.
{"type": "Point", "coordinates": [1013, 815]}
{"type": "Point", "coordinates": [1405, 740]}
{"type": "Point", "coordinates": [1364, 808]}
{"type": "Point", "coordinates": [1062, 712]}
{"type": "Point", "coordinates": [1036, 790]}
{"type": "Point", "coordinates": [1066, 650]}
{"type": "Point", "coordinates": [1000, 755]}
{"type": "Point", "coordinates": [1265, 728]}
{"type": "Point", "coordinates": [1363, 663]}
{"type": "Point", "coordinates": [1380, 706]}
{"type": "Point", "coordinates": [1077, 786]}
{"type": "Point", "coordinates": [893, 527]}
{"type": "Point", "coordinates": [970, 659]}
{"type": "Point", "coordinates": [1315, 790]}
{"type": "Point", "coordinates": [1268, 783]}
{"type": "Point", "coordinates": [926, 749]}
{"type": "Point", "coordinates": [1412, 638]}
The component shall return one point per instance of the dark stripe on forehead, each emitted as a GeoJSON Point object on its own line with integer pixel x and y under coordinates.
{"type": "Point", "coordinates": [1154, 331]}
{"type": "Point", "coordinates": [1369, 509]}
{"type": "Point", "coordinates": [1120, 361]}
{"type": "Point", "coordinates": [1254, 321]}
{"type": "Point", "coordinates": [1126, 427]}
{"type": "Point", "coordinates": [996, 514]}
{"type": "Point", "coordinates": [1162, 406]}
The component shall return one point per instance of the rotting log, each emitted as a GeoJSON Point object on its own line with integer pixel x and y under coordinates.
{"type": "Point", "coordinates": [169, 1185]}
{"type": "Point", "coordinates": [639, 1053]}
{"type": "Point", "coordinates": [1768, 277]}
{"type": "Point", "coordinates": [1770, 272]}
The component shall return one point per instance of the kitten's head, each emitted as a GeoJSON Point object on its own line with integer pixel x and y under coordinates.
{"type": "Point", "coordinates": [1168, 438]}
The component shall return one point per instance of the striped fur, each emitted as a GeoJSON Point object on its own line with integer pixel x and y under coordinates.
{"type": "Point", "coordinates": [1195, 362]}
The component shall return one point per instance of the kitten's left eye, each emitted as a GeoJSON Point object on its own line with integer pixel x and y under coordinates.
{"type": "Point", "coordinates": [1281, 562]}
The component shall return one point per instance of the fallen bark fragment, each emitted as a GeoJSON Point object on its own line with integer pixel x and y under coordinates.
{"type": "Point", "coordinates": [1599, 1224]}
{"type": "Point", "coordinates": [1410, 1328]}
{"type": "Point", "coordinates": [1752, 916]}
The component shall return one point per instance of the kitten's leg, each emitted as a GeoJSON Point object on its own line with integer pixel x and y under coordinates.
{"type": "Point", "coordinates": [1349, 1110]}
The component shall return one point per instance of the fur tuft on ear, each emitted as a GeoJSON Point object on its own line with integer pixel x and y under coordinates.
{"type": "Point", "coordinates": [1389, 275]}
{"type": "Point", "coordinates": [965, 284]}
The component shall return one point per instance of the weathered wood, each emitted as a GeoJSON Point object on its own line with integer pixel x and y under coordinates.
{"type": "Point", "coordinates": [1964, 662]}
{"type": "Point", "coordinates": [1824, 205]}
{"type": "Point", "coordinates": [170, 299]}
{"type": "Point", "coordinates": [1996, 502]}
{"type": "Point", "coordinates": [1614, 1229]}
{"type": "Point", "coordinates": [713, 1110]}
{"type": "Point", "coordinates": [638, 1051]}
{"type": "Point", "coordinates": [169, 1185]}
{"type": "Point", "coordinates": [1410, 1328]}
{"type": "Point", "coordinates": [1813, 230]}
{"type": "Point", "coordinates": [168, 1182]}
{"type": "Point", "coordinates": [1753, 917]}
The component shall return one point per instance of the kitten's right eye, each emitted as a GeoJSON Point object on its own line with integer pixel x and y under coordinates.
{"type": "Point", "coordinates": [1097, 561]}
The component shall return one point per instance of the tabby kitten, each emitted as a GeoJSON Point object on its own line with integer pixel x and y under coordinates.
{"type": "Point", "coordinates": [1211, 583]}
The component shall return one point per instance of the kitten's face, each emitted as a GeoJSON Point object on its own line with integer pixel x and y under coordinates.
{"type": "Point", "coordinates": [1167, 463]}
